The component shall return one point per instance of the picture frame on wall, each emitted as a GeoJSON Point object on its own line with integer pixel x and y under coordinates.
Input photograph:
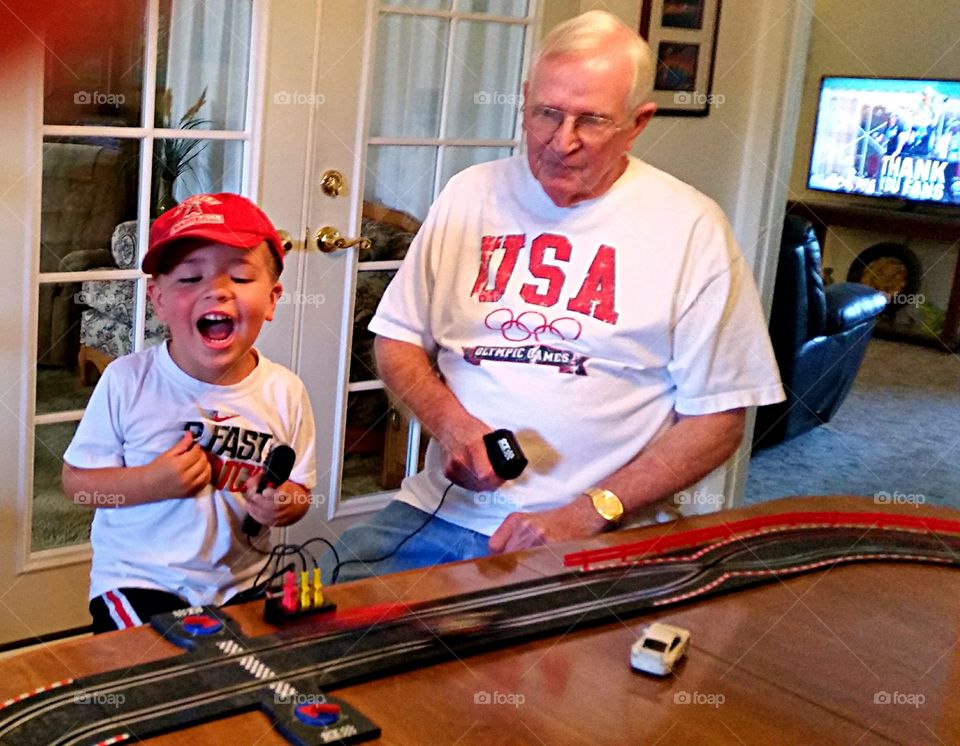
{"type": "Point", "coordinates": [683, 36]}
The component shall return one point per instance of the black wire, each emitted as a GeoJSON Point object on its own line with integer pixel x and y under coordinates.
{"type": "Point", "coordinates": [255, 591]}
{"type": "Point", "coordinates": [336, 570]}
{"type": "Point", "coordinates": [320, 538]}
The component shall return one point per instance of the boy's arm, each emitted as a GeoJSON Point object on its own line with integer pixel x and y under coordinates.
{"type": "Point", "coordinates": [181, 471]}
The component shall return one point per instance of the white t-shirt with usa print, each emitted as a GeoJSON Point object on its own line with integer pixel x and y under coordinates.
{"type": "Point", "coordinates": [582, 329]}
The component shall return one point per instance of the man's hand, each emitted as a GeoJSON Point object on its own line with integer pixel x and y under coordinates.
{"type": "Point", "coordinates": [411, 378]}
{"type": "Point", "coordinates": [577, 520]}
{"type": "Point", "coordinates": [181, 471]}
{"type": "Point", "coordinates": [465, 460]}
{"type": "Point", "coordinates": [275, 506]}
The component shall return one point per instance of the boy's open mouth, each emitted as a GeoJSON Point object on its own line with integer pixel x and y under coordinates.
{"type": "Point", "coordinates": [215, 327]}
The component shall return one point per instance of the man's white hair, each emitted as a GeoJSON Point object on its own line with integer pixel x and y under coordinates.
{"type": "Point", "coordinates": [596, 31]}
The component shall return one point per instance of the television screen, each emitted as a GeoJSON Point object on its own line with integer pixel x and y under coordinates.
{"type": "Point", "coordinates": [892, 138]}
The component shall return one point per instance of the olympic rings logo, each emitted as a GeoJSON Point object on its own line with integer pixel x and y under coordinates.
{"type": "Point", "coordinates": [531, 324]}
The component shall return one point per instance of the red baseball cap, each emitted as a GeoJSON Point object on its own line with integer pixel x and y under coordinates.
{"type": "Point", "coordinates": [219, 218]}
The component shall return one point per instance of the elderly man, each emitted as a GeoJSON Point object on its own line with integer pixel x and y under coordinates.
{"type": "Point", "coordinates": [577, 296]}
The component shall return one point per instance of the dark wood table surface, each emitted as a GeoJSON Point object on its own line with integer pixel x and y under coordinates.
{"type": "Point", "coordinates": [859, 654]}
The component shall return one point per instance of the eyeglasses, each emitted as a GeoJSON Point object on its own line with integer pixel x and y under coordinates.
{"type": "Point", "coordinates": [592, 129]}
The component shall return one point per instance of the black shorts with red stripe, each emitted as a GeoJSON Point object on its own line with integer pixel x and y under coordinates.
{"type": "Point", "coordinates": [130, 607]}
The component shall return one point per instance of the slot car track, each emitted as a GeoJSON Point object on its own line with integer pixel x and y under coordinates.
{"type": "Point", "coordinates": [286, 673]}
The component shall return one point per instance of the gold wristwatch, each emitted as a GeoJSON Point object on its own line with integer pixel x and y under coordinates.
{"type": "Point", "coordinates": [607, 504]}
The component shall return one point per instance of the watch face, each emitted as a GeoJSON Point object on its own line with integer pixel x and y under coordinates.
{"type": "Point", "coordinates": [607, 505]}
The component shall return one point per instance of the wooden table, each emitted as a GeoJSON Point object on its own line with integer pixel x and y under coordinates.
{"type": "Point", "coordinates": [858, 654]}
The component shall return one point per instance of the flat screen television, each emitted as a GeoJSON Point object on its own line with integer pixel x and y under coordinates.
{"type": "Point", "coordinates": [888, 138]}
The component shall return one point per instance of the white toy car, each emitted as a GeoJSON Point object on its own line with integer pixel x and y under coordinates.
{"type": "Point", "coordinates": [659, 648]}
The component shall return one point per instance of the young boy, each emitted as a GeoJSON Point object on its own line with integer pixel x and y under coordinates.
{"type": "Point", "coordinates": [173, 441]}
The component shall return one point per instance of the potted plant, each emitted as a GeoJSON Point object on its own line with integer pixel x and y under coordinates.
{"type": "Point", "coordinates": [174, 156]}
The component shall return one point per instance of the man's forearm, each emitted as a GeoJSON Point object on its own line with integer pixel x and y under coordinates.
{"type": "Point", "coordinates": [411, 378]}
{"type": "Point", "coordinates": [692, 448]}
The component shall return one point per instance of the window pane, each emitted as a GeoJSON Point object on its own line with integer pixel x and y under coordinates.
{"type": "Point", "coordinates": [516, 8]}
{"type": "Point", "coordinates": [57, 522]}
{"type": "Point", "coordinates": [486, 97]}
{"type": "Point", "coordinates": [418, 4]}
{"type": "Point", "coordinates": [410, 56]}
{"type": "Point", "coordinates": [390, 233]}
{"type": "Point", "coordinates": [400, 177]}
{"type": "Point", "coordinates": [183, 167]}
{"type": "Point", "coordinates": [70, 365]}
{"type": "Point", "coordinates": [375, 450]}
{"type": "Point", "coordinates": [370, 287]}
{"type": "Point", "coordinates": [88, 188]}
{"type": "Point", "coordinates": [88, 193]}
{"type": "Point", "coordinates": [93, 71]}
{"type": "Point", "coordinates": [455, 159]}
{"type": "Point", "coordinates": [203, 63]}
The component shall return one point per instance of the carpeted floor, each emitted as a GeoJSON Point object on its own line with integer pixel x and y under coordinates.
{"type": "Point", "coordinates": [897, 436]}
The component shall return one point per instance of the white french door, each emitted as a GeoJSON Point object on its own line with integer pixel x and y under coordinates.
{"type": "Point", "coordinates": [105, 122]}
{"type": "Point", "coordinates": [408, 93]}
{"type": "Point", "coordinates": [263, 97]}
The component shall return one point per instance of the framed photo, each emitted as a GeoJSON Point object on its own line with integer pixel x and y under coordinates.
{"type": "Point", "coordinates": [683, 36]}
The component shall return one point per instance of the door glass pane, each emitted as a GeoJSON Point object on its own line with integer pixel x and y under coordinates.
{"type": "Point", "coordinates": [400, 177]}
{"type": "Point", "coordinates": [375, 450]}
{"type": "Point", "coordinates": [94, 71]}
{"type": "Point", "coordinates": [370, 287]}
{"type": "Point", "coordinates": [516, 8]}
{"type": "Point", "coordinates": [104, 311]}
{"type": "Point", "coordinates": [88, 195]}
{"type": "Point", "coordinates": [203, 63]}
{"type": "Point", "coordinates": [407, 89]}
{"type": "Point", "coordinates": [183, 167]}
{"type": "Point", "coordinates": [455, 159]}
{"type": "Point", "coordinates": [418, 4]}
{"type": "Point", "coordinates": [57, 522]}
{"type": "Point", "coordinates": [488, 59]}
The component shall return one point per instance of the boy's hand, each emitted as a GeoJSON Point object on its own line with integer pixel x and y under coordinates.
{"type": "Point", "coordinates": [276, 506]}
{"type": "Point", "coordinates": [181, 471]}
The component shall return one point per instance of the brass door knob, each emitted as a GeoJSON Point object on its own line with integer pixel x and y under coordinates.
{"type": "Point", "coordinates": [330, 240]}
{"type": "Point", "coordinates": [332, 183]}
{"type": "Point", "coordinates": [286, 241]}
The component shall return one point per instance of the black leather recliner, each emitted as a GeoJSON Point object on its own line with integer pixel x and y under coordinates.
{"type": "Point", "coordinates": [819, 337]}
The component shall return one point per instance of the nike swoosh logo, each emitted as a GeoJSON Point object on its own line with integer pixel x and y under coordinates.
{"type": "Point", "coordinates": [222, 418]}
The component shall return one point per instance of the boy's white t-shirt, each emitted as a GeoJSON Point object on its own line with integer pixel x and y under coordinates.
{"type": "Point", "coordinates": [191, 546]}
{"type": "Point", "coordinates": [582, 329]}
